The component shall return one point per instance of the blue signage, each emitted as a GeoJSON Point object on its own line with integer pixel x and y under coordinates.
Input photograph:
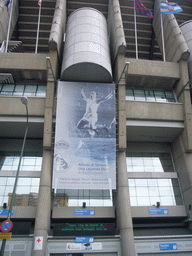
{"type": "Point", "coordinates": [6, 211]}
{"type": "Point", "coordinates": [84, 212]}
{"type": "Point", "coordinates": [158, 211]}
{"type": "Point", "coordinates": [168, 246]}
{"type": "Point", "coordinates": [84, 239]}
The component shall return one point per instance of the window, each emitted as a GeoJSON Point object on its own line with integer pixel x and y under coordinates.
{"type": "Point", "coordinates": [150, 95]}
{"type": "Point", "coordinates": [149, 162]}
{"type": "Point", "coordinates": [77, 197]}
{"type": "Point", "coordinates": [28, 182]}
{"type": "Point", "coordinates": [18, 90]}
{"type": "Point", "coordinates": [147, 190]}
{"type": "Point", "coordinates": [10, 161]}
{"type": "Point", "coordinates": [26, 191]}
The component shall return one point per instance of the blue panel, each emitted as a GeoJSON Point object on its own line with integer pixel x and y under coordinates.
{"type": "Point", "coordinates": [158, 211]}
{"type": "Point", "coordinates": [5, 212]}
{"type": "Point", "coordinates": [168, 246]}
{"type": "Point", "coordinates": [84, 212]}
{"type": "Point", "coordinates": [84, 239]}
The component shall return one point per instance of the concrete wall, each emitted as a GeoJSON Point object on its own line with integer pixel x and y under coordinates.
{"type": "Point", "coordinates": [154, 111]}
{"type": "Point", "coordinates": [12, 106]}
{"type": "Point", "coordinates": [20, 61]}
{"type": "Point", "coordinates": [68, 212]}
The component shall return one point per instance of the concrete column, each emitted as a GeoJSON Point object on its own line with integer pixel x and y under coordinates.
{"type": "Point", "coordinates": [43, 214]}
{"type": "Point", "coordinates": [183, 94]}
{"type": "Point", "coordinates": [123, 209]}
{"type": "Point", "coordinates": [182, 146]}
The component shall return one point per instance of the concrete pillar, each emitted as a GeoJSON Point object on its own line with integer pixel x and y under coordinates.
{"type": "Point", "coordinates": [123, 209]}
{"type": "Point", "coordinates": [182, 146]}
{"type": "Point", "coordinates": [183, 96]}
{"type": "Point", "coordinates": [43, 214]}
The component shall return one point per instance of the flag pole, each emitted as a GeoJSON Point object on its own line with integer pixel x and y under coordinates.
{"type": "Point", "coordinates": [37, 39]}
{"type": "Point", "coordinates": [162, 35]}
{"type": "Point", "coordinates": [135, 23]}
{"type": "Point", "coordinates": [9, 26]}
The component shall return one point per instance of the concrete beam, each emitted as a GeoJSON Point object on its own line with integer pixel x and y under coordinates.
{"type": "Point", "coordinates": [154, 111]}
{"type": "Point", "coordinates": [19, 61]}
{"type": "Point", "coordinates": [153, 68]}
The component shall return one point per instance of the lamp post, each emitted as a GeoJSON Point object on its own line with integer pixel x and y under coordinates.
{"type": "Point", "coordinates": [24, 100]}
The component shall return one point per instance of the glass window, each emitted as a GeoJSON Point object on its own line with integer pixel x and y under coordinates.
{"type": "Point", "coordinates": [26, 191]}
{"type": "Point", "coordinates": [30, 90]}
{"type": "Point", "coordinates": [129, 94]}
{"type": "Point", "coordinates": [160, 96]}
{"type": "Point", "coordinates": [41, 91]}
{"type": "Point", "coordinates": [150, 95]}
{"type": "Point", "coordinates": [149, 162]}
{"type": "Point", "coordinates": [18, 90]}
{"type": "Point", "coordinates": [147, 192]}
{"type": "Point", "coordinates": [77, 197]}
{"type": "Point", "coordinates": [7, 89]}
{"type": "Point", "coordinates": [170, 96]}
{"type": "Point", "coordinates": [139, 95]}
{"type": "Point", "coordinates": [28, 163]}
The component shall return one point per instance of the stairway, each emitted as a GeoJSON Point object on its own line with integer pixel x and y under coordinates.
{"type": "Point", "coordinates": [26, 29]}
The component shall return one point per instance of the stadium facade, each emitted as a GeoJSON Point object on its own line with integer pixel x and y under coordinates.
{"type": "Point", "coordinates": [106, 168]}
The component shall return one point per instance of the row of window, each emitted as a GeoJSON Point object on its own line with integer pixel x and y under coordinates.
{"type": "Point", "coordinates": [29, 90]}
{"type": "Point", "coordinates": [143, 192]}
{"type": "Point", "coordinates": [27, 163]}
{"type": "Point", "coordinates": [75, 198]}
{"type": "Point", "coordinates": [150, 95]}
{"type": "Point", "coordinates": [26, 192]}
{"type": "Point", "coordinates": [149, 162]}
{"type": "Point", "coordinates": [32, 90]}
{"type": "Point", "coordinates": [136, 162]}
{"type": "Point", "coordinates": [147, 192]}
{"type": "Point", "coordinates": [10, 161]}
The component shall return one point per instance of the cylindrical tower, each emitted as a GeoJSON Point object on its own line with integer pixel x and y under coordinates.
{"type": "Point", "coordinates": [186, 29]}
{"type": "Point", "coordinates": [86, 52]}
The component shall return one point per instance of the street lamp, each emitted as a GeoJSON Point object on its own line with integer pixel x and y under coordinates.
{"type": "Point", "coordinates": [24, 100]}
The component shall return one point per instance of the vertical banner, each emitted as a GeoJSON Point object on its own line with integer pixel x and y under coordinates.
{"type": "Point", "coordinates": [85, 136]}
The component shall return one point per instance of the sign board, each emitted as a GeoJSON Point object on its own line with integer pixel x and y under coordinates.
{"type": "Point", "coordinates": [84, 246]}
{"type": "Point", "coordinates": [83, 229]}
{"type": "Point", "coordinates": [6, 211]}
{"type": "Point", "coordinates": [38, 244]}
{"type": "Point", "coordinates": [85, 136]}
{"type": "Point", "coordinates": [84, 212]}
{"type": "Point", "coordinates": [84, 239]}
{"type": "Point", "coordinates": [168, 246]}
{"type": "Point", "coordinates": [5, 235]}
{"type": "Point", "coordinates": [6, 226]}
{"type": "Point", "coordinates": [157, 211]}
